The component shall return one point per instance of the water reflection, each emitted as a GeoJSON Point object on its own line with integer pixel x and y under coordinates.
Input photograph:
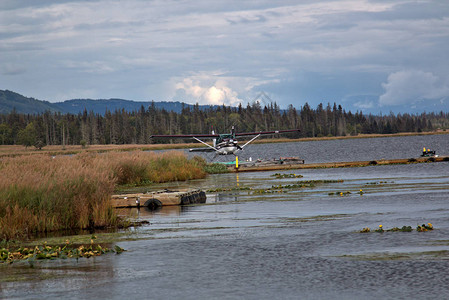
{"type": "Point", "coordinates": [145, 212]}
{"type": "Point", "coordinates": [57, 277]}
{"type": "Point", "coordinates": [223, 197]}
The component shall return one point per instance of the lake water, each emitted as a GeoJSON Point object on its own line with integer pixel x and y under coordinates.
{"type": "Point", "coordinates": [301, 243]}
{"type": "Point", "coordinates": [343, 149]}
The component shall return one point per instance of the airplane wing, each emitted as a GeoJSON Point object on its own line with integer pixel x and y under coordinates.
{"type": "Point", "coordinates": [266, 132]}
{"type": "Point", "coordinates": [214, 136]}
{"type": "Point", "coordinates": [202, 150]}
{"type": "Point", "coordinates": [192, 136]}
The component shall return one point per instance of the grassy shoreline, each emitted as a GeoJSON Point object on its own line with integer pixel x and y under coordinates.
{"type": "Point", "coordinates": [53, 150]}
{"type": "Point", "coordinates": [40, 193]}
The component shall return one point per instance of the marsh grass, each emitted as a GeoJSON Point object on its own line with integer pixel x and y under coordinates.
{"type": "Point", "coordinates": [39, 193]}
{"type": "Point", "coordinates": [216, 168]}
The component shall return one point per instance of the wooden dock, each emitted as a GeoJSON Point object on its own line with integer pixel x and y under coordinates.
{"type": "Point", "coordinates": [159, 198]}
{"type": "Point", "coordinates": [292, 166]}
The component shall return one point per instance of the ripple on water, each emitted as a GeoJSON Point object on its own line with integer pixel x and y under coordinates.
{"type": "Point", "coordinates": [303, 243]}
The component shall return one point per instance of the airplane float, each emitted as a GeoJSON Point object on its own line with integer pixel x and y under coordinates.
{"type": "Point", "coordinates": [223, 144]}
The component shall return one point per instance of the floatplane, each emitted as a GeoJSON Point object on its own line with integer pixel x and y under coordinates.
{"type": "Point", "coordinates": [223, 144]}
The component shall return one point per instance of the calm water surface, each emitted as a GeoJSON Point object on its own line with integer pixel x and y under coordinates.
{"type": "Point", "coordinates": [298, 244]}
{"type": "Point", "coordinates": [344, 150]}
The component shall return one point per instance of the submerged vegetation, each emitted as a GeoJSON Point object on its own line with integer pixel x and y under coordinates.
{"type": "Point", "coordinates": [303, 184]}
{"type": "Point", "coordinates": [217, 190]}
{"type": "Point", "coordinates": [40, 193]}
{"type": "Point", "coordinates": [278, 188]}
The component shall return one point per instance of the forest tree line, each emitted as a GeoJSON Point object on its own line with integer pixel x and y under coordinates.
{"type": "Point", "coordinates": [136, 127]}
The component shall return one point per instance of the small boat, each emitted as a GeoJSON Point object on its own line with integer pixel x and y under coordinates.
{"type": "Point", "coordinates": [428, 153]}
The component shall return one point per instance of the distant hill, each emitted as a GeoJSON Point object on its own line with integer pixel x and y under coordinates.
{"type": "Point", "coordinates": [101, 105]}
{"type": "Point", "coordinates": [24, 105]}
{"type": "Point", "coordinates": [11, 100]}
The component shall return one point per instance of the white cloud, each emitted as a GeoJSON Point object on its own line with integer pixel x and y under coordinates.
{"type": "Point", "coordinates": [217, 87]}
{"type": "Point", "coordinates": [409, 87]}
{"type": "Point", "coordinates": [217, 93]}
{"type": "Point", "coordinates": [364, 104]}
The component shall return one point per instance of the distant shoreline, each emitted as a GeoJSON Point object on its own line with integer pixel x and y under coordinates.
{"type": "Point", "coordinates": [359, 136]}
{"type": "Point", "coordinates": [17, 150]}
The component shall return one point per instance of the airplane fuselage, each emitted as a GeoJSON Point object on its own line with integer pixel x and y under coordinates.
{"type": "Point", "coordinates": [227, 150]}
{"type": "Point", "coordinates": [227, 147]}
{"type": "Point", "coordinates": [223, 144]}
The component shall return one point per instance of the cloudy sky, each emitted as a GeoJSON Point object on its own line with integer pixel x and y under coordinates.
{"type": "Point", "coordinates": [373, 55]}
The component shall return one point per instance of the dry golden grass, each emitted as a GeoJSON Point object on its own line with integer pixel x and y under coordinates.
{"type": "Point", "coordinates": [15, 150]}
{"type": "Point", "coordinates": [40, 193]}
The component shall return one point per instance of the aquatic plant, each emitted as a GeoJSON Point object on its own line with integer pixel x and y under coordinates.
{"type": "Point", "coordinates": [424, 227]}
{"type": "Point", "coordinates": [44, 251]}
{"type": "Point", "coordinates": [279, 175]}
{"type": "Point", "coordinates": [239, 188]}
{"type": "Point", "coordinates": [378, 182]}
{"type": "Point", "coordinates": [419, 228]}
{"type": "Point", "coordinates": [380, 229]}
{"type": "Point", "coordinates": [267, 191]}
{"type": "Point", "coordinates": [277, 188]}
{"type": "Point", "coordinates": [403, 229]}
{"type": "Point", "coordinates": [345, 193]}
{"type": "Point", "coordinates": [339, 193]}
{"type": "Point", "coordinates": [304, 184]}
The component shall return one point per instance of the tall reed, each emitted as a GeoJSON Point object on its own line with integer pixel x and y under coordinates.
{"type": "Point", "coordinates": [148, 167]}
{"type": "Point", "coordinates": [39, 193]}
